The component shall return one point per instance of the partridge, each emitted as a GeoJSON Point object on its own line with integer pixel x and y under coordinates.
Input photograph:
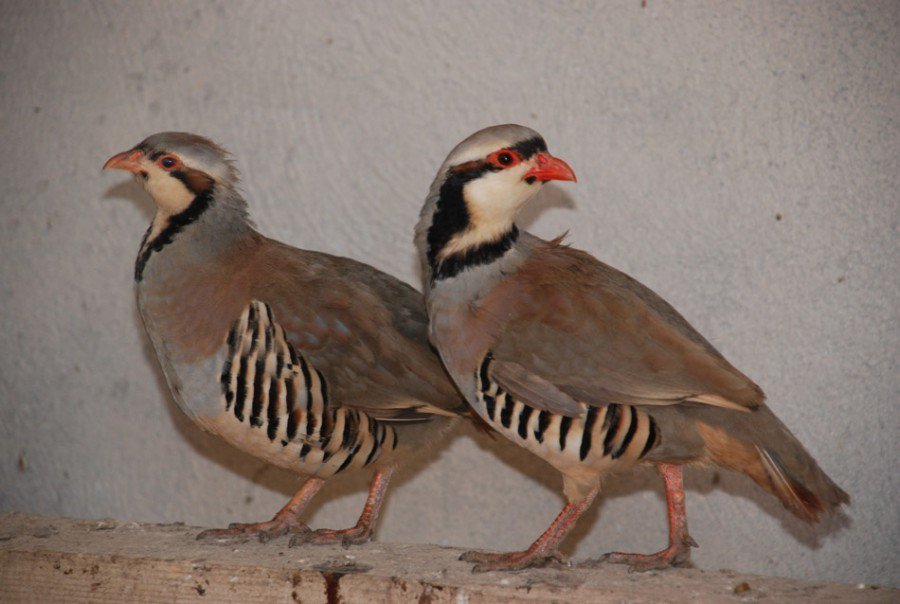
{"type": "Point", "coordinates": [311, 362]}
{"type": "Point", "coordinates": [578, 362]}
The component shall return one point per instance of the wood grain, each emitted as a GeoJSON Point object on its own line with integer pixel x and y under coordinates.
{"type": "Point", "coordinates": [58, 559]}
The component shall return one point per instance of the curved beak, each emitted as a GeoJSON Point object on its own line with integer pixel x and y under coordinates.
{"type": "Point", "coordinates": [550, 168]}
{"type": "Point", "coordinates": [126, 160]}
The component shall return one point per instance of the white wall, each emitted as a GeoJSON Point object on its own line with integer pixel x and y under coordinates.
{"type": "Point", "coordinates": [692, 126]}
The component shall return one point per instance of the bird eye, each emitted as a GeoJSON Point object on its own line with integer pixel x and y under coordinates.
{"type": "Point", "coordinates": [168, 161]}
{"type": "Point", "coordinates": [504, 158]}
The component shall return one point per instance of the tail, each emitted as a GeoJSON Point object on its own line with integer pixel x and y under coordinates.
{"type": "Point", "coordinates": [759, 445]}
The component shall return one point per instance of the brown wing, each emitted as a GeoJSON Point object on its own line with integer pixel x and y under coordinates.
{"type": "Point", "coordinates": [363, 329]}
{"type": "Point", "coordinates": [600, 336]}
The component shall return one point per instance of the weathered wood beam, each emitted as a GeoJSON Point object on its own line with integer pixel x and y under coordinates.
{"type": "Point", "coordinates": [59, 559]}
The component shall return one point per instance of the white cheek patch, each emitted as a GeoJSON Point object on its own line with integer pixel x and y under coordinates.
{"type": "Point", "coordinates": [492, 202]}
{"type": "Point", "coordinates": [497, 196]}
{"type": "Point", "coordinates": [170, 194]}
{"type": "Point", "coordinates": [171, 197]}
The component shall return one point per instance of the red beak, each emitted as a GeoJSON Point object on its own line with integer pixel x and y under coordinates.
{"type": "Point", "coordinates": [551, 168]}
{"type": "Point", "coordinates": [126, 160]}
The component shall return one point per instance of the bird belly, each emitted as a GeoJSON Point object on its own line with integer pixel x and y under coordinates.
{"type": "Point", "coordinates": [321, 457]}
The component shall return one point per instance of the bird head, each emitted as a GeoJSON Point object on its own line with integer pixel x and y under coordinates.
{"type": "Point", "coordinates": [193, 183]}
{"type": "Point", "coordinates": [481, 187]}
{"type": "Point", "coordinates": [176, 168]}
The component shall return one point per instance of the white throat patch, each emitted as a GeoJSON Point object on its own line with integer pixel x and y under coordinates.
{"type": "Point", "coordinates": [170, 194]}
{"type": "Point", "coordinates": [492, 201]}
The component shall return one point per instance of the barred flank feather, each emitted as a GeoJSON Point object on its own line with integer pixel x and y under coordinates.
{"type": "Point", "coordinates": [269, 386]}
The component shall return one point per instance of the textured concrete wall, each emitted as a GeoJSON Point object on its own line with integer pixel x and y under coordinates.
{"type": "Point", "coordinates": [741, 159]}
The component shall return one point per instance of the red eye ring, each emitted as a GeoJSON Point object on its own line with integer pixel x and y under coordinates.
{"type": "Point", "coordinates": [504, 158]}
{"type": "Point", "coordinates": [168, 162]}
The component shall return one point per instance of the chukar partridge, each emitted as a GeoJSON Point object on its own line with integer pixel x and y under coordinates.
{"type": "Point", "coordinates": [312, 362]}
{"type": "Point", "coordinates": [578, 362]}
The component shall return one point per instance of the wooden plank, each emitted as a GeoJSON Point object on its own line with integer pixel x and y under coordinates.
{"type": "Point", "coordinates": [59, 559]}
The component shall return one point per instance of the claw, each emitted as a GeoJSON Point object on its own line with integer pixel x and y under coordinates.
{"type": "Point", "coordinates": [677, 555]}
{"type": "Point", "coordinates": [264, 531]}
{"type": "Point", "coordinates": [542, 551]}
{"type": "Point", "coordinates": [680, 542]}
{"type": "Point", "coordinates": [299, 538]}
{"type": "Point", "coordinates": [488, 561]}
{"type": "Point", "coordinates": [472, 556]}
{"type": "Point", "coordinates": [355, 535]}
{"type": "Point", "coordinates": [348, 540]}
{"type": "Point", "coordinates": [345, 537]}
{"type": "Point", "coordinates": [285, 521]}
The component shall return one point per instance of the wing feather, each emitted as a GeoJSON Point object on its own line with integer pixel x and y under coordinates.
{"type": "Point", "coordinates": [363, 329]}
{"type": "Point", "coordinates": [583, 331]}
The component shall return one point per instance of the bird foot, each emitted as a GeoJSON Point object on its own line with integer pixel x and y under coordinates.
{"type": "Point", "coordinates": [677, 554]}
{"type": "Point", "coordinates": [356, 535]}
{"type": "Point", "coordinates": [264, 531]}
{"type": "Point", "coordinates": [488, 561]}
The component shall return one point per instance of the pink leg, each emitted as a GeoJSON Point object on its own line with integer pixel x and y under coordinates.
{"type": "Point", "coordinates": [680, 542]}
{"type": "Point", "coordinates": [286, 520]}
{"type": "Point", "coordinates": [362, 532]}
{"type": "Point", "coordinates": [542, 550]}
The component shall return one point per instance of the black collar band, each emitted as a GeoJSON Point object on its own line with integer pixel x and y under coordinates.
{"type": "Point", "coordinates": [476, 256]}
{"type": "Point", "coordinates": [176, 223]}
